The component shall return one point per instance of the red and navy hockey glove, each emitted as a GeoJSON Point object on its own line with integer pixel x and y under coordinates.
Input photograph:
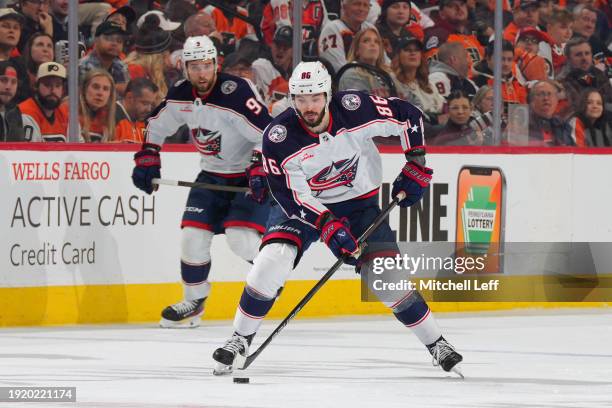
{"type": "Point", "coordinates": [337, 235]}
{"type": "Point", "coordinates": [413, 180]}
{"type": "Point", "coordinates": [257, 179]}
{"type": "Point", "coordinates": [148, 167]}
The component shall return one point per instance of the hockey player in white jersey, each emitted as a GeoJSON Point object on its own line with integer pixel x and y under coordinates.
{"type": "Point", "coordinates": [226, 121]}
{"type": "Point", "coordinates": [324, 171]}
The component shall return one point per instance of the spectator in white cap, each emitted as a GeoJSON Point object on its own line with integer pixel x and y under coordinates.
{"type": "Point", "coordinates": [45, 119]}
{"type": "Point", "coordinates": [164, 23]}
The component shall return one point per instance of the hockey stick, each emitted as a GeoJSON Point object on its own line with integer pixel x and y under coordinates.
{"type": "Point", "coordinates": [233, 189]}
{"type": "Point", "coordinates": [381, 217]}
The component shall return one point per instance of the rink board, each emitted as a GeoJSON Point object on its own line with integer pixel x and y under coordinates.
{"type": "Point", "coordinates": [82, 245]}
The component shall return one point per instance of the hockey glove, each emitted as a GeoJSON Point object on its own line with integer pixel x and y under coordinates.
{"type": "Point", "coordinates": [413, 180]}
{"type": "Point", "coordinates": [257, 179]}
{"type": "Point", "coordinates": [148, 166]}
{"type": "Point", "coordinates": [337, 235]}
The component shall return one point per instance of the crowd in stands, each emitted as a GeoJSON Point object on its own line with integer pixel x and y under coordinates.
{"type": "Point", "coordinates": [438, 54]}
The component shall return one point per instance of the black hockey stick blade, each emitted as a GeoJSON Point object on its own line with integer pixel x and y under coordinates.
{"type": "Point", "coordinates": [206, 186]}
{"type": "Point", "coordinates": [381, 217]}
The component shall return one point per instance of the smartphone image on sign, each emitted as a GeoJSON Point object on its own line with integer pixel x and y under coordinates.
{"type": "Point", "coordinates": [479, 228]}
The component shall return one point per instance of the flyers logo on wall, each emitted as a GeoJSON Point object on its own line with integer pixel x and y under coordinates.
{"type": "Point", "coordinates": [479, 224]}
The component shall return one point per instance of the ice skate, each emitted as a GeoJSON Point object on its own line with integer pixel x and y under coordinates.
{"type": "Point", "coordinates": [231, 355]}
{"type": "Point", "coordinates": [185, 314]}
{"type": "Point", "coordinates": [445, 356]}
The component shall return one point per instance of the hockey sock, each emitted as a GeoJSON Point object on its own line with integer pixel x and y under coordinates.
{"type": "Point", "coordinates": [195, 282]}
{"type": "Point", "coordinates": [253, 307]}
{"type": "Point", "coordinates": [415, 314]}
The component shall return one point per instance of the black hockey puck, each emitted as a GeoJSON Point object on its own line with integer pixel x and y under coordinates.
{"type": "Point", "coordinates": [241, 380]}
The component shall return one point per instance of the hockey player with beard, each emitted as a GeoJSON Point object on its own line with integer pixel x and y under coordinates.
{"type": "Point", "coordinates": [226, 121]}
{"type": "Point", "coordinates": [324, 171]}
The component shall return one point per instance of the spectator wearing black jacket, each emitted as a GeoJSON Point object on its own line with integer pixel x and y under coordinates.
{"type": "Point", "coordinates": [37, 19]}
{"type": "Point", "coordinates": [11, 126]}
{"type": "Point", "coordinates": [581, 73]}
{"type": "Point", "coordinates": [457, 131]}
{"type": "Point", "coordinates": [545, 128]}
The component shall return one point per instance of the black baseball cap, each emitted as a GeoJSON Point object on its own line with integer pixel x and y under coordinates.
{"type": "Point", "coordinates": [108, 28]}
{"type": "Point", "coordinates": [406, 40]}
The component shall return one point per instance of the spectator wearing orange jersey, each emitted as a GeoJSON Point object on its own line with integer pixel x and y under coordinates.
{"type": "Point", "coordinates": [526, 14]}
{"type": "Point", "coordinates": [231, 29]}
{"type": "Point", "coordinates": [529, 65]}
{"type": "Point", "coordinates": [44, 120]}
{"type": "Point", "coordinates": [452, 25]}
{"type": "Point", "coordinates": [139, 100]}
{"type": "Point", "coordinates": [512, 90]}
{"type": "Point", "coordinates": [97, 106]}
{"type": "Point", "coordinates": [591, 127]}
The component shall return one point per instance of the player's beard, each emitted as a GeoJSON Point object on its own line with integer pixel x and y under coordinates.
{"type": "Point", "coordinates": [206, 88]}
{"type": "Point", "coordinates": [315, 123]}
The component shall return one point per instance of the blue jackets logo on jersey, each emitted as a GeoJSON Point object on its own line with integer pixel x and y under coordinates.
{"type": "Point", "coordinates": [340, 173]}
{"type": "Point", "coordinates": [207, 142]}
{"type": "Point", "coordinates": [228, 87]}
{"type": "Point", "coordinates": [351, 101]}
{"type": "Point", "coordinates": [277, 134]}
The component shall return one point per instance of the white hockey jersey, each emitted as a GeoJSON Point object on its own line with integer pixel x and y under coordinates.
{"type": "Point", "coordinates": [306, 171]}
{"type": "Point", "coordinates": [225, 127]}
{"type": "Point", "coordinates": [335, 40]}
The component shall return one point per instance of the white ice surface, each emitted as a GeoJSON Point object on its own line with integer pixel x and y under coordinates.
{"type": "Point", "coordinates": [529, 359]}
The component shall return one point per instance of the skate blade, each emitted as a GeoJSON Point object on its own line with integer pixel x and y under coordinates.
{"type": "Point", "coordinates": [190, 323]}
{"type": "Point", "coordinates": [222, 369]}
{"type": "Point", "coordinates": [457, 370]}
